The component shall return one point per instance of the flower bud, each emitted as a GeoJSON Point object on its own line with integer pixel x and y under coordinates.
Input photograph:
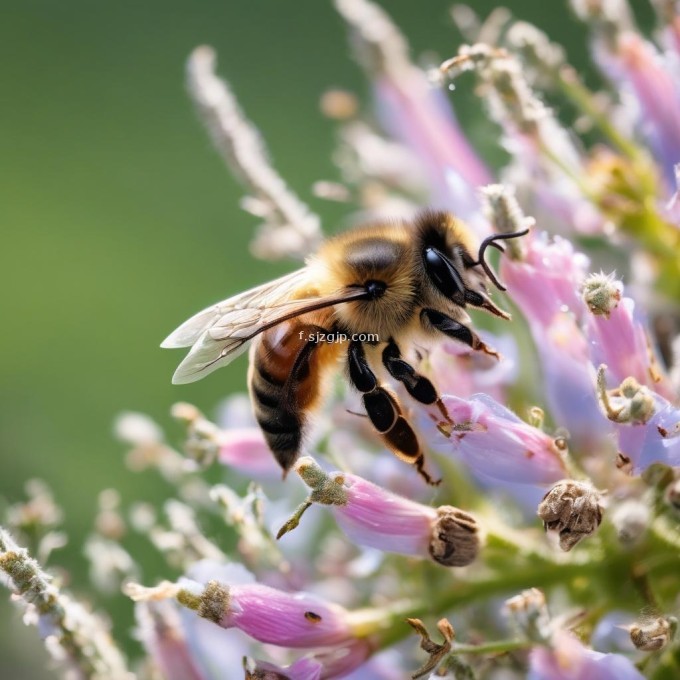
{"type": "Point", "coordinates": [203, 437]}
{"type": "Point", "coordinates": [601, 293]}
{"type": "Point", "coordinates": [529, 611]}
{"type": "Point", "coordinates": [630, 402]}
{"type": "Point", "coordinates": [573, 510]}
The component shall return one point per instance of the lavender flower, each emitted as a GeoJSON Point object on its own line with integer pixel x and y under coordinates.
{"type": "Point", "coordinates": [495, 443]}
{"type": "Point", "coordinates": [570, 660]}
{"type": "Point", "coordinates": [619, 337]}
{"type": "Point", "coordinates": [635, 64]}
{"type": "Point", "coordinates": [373, 517]}
{"type": "Point", "coordinates": [414, 112]}
{"type": "Point", "coordinates": [303, 669]}
{"type": "Point", "coordinates": [268, 615]}
{"type": "Point", "coordinates": [160, 631]}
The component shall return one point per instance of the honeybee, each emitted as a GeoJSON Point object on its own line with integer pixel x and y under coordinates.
{"type": "Point", "coordinates": [363, 297]}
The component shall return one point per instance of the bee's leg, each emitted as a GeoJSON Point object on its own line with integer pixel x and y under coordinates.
{"type": "Point", "coordinates": [384, 411]}
{"type": "Point", "coordinates": [456, 330]}
{"type": "Point", "coordinates": [418, 386]}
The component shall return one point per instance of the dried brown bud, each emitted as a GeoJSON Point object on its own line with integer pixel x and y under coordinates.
{"type": "Point", "coordinates": [435, 650]}
{"type": "Point", "coordinates": [573, 510]}
{"type": "Point", "coordinates": [653, 635]}
{"type": "Point", "coordinates": [454, 540]}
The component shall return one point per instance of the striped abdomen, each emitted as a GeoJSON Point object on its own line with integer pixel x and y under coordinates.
{"type": "Point", "coordinates": [285, 384]}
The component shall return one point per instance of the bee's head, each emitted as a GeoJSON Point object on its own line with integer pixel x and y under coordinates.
{"type": "Point", "coordinates": [446, 247]}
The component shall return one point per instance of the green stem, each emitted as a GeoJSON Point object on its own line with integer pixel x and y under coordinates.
{"type": "Point", "coordinates": [539, 575]}
{"type": "Point", "coordinates": [583, 99]}
{"type": "Point", "coordinates": [497, 647]}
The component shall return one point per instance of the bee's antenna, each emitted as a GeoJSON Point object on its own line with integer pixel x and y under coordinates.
{"type": "Point", "coordinates": [491, 241]}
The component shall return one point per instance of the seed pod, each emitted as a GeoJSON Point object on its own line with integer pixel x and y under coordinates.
{"type": "Point", "coordinates": [573, 510]}
{"type": "Point", "coordinates": [454, 541]}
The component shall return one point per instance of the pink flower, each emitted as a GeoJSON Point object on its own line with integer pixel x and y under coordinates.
{"type": "Point", "coordinates": [453, 367]}
{"type": "Point", "coordinates": [302, 669]}
{"type": "Point", "coordinates": [547, 281]}
{"type": "Point", "coordinates": [654, 81]}
{"type": "Point", "coordinates": [380, 519]}
{"type": "Point", "coordinates": [414, 112]}
{"type": "Point", "coordinates": [371, 516]}
{"type": "Point", "coordinates": [656, 441]}
{"type": "Point", "coordinates": [546, 285]}
{"type": "Point", "coordinates": [161, 634]}
{"type": "Point", "coordinates": [495, 443]}
{"type": "Point", "coordinates": [568, 659]}
{"type": "Point", "coordinates": [294, 620]}
{"type": "Point", "coordinates": [245, 450]}
{"type": "Point", "coordinates": [326, 664]}
{"type": "Point", "coordinates": [622, 342]}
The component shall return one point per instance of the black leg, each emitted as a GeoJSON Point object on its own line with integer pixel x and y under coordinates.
{"type": "Point", "coordinates": [456, 330]}
{"type": "Point", "coordinates": [418, 386]}
{"type": "Point", "coordinates": [384, 411]}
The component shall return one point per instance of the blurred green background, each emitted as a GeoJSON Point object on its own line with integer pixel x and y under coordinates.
{"type": "Point", "coordinates": [119, 220]}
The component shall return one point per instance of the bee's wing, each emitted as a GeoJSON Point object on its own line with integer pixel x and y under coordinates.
{"type": "Point", "coordinates": [260, 297]}
{"type": "Point", "coordinates": [222, 332]}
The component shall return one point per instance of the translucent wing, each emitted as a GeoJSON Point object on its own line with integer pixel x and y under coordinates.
{"type": "Point", "coordinates": [218, 334]}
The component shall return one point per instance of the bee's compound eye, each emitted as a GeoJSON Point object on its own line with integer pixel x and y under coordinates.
{"type": "Point", "coordinates": [443, 274]}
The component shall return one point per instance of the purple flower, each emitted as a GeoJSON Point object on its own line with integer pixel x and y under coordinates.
{"type": "Point", "coordinates": [656, 441]}
{"type": "Point", "coordinates": [620, 340]}
{"type": "Point", "coordinates": [414, 112]}
{"type": "Point", "coordinates": [379, 519]}
{"type": "Point", "coordinates": [638, 66]}
{"type": "Point", "coordinates": [568, 659]}
{"type": "Point", "coordinates": [546, 282]}
{"type": "Point", "coordinates": [495, 443]}
{"type": "Point", "coordinates": [245, 451]}
{"type": "Point", "coordinates": [455, 368]}
{"type": "Point", "coordinates": [302, 669]}
{"type": "Point", "coordinates": [295, 620]}
{"type": "Point", "coordinates": [161, 634]}
{"type": "Point", "coordinates": [546, 286]}
{"type": "Point", "coordinates": [371, 516]}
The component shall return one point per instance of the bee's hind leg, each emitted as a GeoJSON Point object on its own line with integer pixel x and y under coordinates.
{"type": "Point", "coordinates": [384, 412]}
{"type": "Point", "coordinates": [418, 386]}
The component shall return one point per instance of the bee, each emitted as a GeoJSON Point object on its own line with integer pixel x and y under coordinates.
{"type": "Point", "coordinates": [361, 299]}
